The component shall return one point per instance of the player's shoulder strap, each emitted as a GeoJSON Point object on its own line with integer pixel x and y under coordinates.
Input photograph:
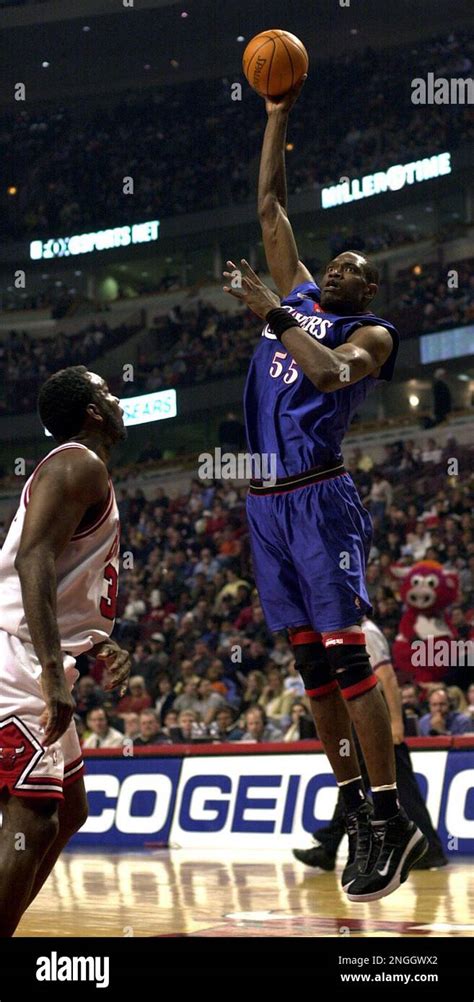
{"type": "Point", "coordinates": [306, 290]}
{"type": "Point", "coordinates": [53, 452]}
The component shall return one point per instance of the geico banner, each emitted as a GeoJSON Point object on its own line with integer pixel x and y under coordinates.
{"type": "Point", "coordinates": [131, 801]}
{"type": "Point", "coordinates": [242, 801]}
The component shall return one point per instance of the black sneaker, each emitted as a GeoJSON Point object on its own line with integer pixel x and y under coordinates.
{"type": "Point", "coordinates": [316, 856]}
{"type": "Point", "coordinates": [360, 834]}
{"type": "Point", "coordinates": [432, 860]}
{"type": "Point", "coordinates": [400, 846]}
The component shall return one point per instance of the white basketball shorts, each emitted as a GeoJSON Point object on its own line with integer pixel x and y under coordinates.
{"type": "Point", "coordinates": [27, 767]}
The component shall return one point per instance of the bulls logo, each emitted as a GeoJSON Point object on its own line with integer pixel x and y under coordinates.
{"type": "Point", "coordinates": [8, 756]}
{"type": "Point", "coordinates": [19, 752]}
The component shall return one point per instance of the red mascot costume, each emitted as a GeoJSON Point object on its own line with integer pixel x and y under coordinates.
{"type": "Point", "coordinates": [427, 591]}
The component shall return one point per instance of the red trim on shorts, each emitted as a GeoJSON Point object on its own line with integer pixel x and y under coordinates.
{"type": "Point", "coordinates": [322, 690]}
{"type": "Point", "coordinates": [303, 636]}
{"type": "Point", "coordinates": [360, 687]}
{"type": "Point", "coordinates": [37, 794]}
{"type": "Point", "coordinates": [71, 765]}
{"type": "Point", "coordinates": [75, 775]}
{"type": "Point", "coordinates": [343, 638]}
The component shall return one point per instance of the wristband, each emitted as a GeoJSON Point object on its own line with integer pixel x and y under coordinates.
{"type": "Point", "coordinates": [280, 321]}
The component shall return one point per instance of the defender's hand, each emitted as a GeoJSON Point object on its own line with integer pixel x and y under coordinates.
{"type": "Point", "coordinates": [117, 665]}
{"type": "Point", "coordinates": [251, 291]}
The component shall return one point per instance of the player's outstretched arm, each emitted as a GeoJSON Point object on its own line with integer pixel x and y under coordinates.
{"type": "Point", "coordinates": [281, 251]}
{"type": "Point", "coordinates": [69, 484]}
{"type": "Point", "coordinates": [329, 369]}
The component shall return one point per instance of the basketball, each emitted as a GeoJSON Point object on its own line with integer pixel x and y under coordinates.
{"type": "Point", "coordinates": [274, 61]}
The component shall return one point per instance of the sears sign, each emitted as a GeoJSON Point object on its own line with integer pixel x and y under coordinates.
{"type": "Point", "coordinates": [251, 801]}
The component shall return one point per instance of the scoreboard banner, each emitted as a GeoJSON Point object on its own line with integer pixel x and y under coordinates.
{"type": "Point", "coordinates": [252, 796]}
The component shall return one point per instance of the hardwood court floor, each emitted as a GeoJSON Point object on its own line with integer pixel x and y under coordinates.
{"type": "Point", "coordinates": [227, 893]}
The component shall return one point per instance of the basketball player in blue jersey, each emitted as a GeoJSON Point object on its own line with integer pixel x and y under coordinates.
{"type": "Point", "coordinates": [320, 353]}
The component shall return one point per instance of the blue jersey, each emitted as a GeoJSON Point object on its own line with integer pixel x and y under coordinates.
{"type": "Point", "coordinates": [285, 414]}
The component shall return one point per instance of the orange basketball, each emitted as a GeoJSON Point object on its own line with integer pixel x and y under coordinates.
{"type": "Point", "coordinates": [274, 62]}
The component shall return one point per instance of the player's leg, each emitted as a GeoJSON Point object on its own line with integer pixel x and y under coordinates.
{"type": "Point", "coordinates": [30, 827]}
{"type": "Point", "coordinates": [347, 654]}
{"type": "Point", "coordinates": [327, 706]}
{"type": "Point", "coordinates": [334, 533]}
{"type": "Point", "coordinates": [334, 730]}
{"type": "Point", "coordinates": [72, 814]}
{"type": "Point", "coordinates": [398, 841]}
{"type": "Point", "coordinates": [328, 838]}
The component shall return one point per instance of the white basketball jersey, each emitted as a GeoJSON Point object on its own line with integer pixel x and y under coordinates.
{"type": "Point", "coordinates": [87, 576]}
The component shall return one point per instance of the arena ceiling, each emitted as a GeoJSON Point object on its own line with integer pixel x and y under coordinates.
{"type": "Point", "coordinates": [92, 48]}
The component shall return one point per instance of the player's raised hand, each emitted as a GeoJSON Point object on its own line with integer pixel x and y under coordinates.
{"type": "Point", "coordinates": [117, 665]}
{"type": "Point", "coordinates": [286, 101]}
{"type": "Point", "coordinates": [249, 288]}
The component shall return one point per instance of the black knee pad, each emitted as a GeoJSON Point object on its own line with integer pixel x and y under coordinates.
{"type": "Point", "coordinates": [312, 663]}
{"type": "Point", "coordinates": [347, 655]}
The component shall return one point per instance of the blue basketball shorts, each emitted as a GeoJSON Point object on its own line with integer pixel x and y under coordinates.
{"type": "Point", "coordinates": [310, 547]}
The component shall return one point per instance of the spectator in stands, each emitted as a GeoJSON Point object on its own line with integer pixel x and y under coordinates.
{"type": "Point", "coordinates": [457, 699]}
{"type": "Point", "coordinates": [275, 699]}
{"type": "Point", "coordinates": [137, 698]}
{"type": "Point", "coordinates": [301, 726]}
{"type": "Point", "coordinates": [88, 695]}
{"type": "Point", "coordinates": [208, 702]}
{"type": "Point", "coordinates": [432, 453]}
{"type": "Point", "coordinates": [231, 588]}
{"type": "Point", "coordinates": [224, 727]}
{"type": "Point", "coordinates": [171, 720]}
{"type": "Point", "coordinates": [102, 735]}
{"type": "Point", "coordinates": [380, 496]}
{"type": "Point", "coordinates": [258, 728]}
{"type": "Point", "coordinates": [188, 699]}
{"type": "Point", "coordinates": [441, 720]}
{"type": "Point", "coordinates": [131, 725]}
{"type": "Point", "coordinates": [293, 682]}
{"type": "Point", "coordinates": [207, 565]}
{"type": "Point", "coordinates": [254, 685]}
{"type": "Point", "coordinates": [410, 694]}
{"type": "Point", "coordinates": [149, 733]}
{"type": "Point", "coordinates": [166, 696]}
{"type": "Point", "coordinates": [189, 728]}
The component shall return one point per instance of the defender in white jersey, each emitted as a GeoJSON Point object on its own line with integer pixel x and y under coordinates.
{"type": "Point", "coordinates": [58, 594]}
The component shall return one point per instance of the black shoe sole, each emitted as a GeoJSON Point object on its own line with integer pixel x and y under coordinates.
{"type": "Point", "coordinates": [417, 847]}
